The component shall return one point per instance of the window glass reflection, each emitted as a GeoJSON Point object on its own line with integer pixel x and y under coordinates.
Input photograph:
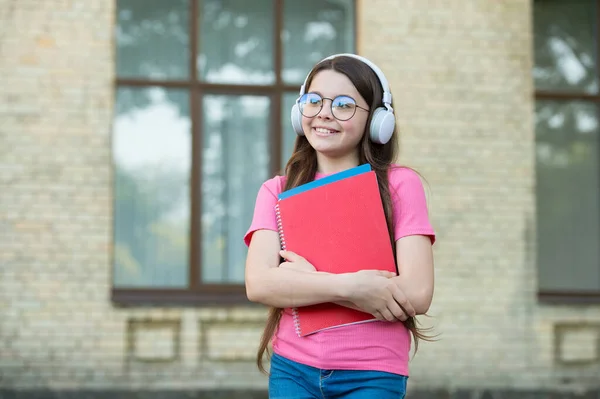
{"type": "Point", "coordinates": [235, 164]}
{"type": "Point", "coordinates": [236, 42]}
{"type": "Point", "coordinates": [568, 195]}
{"type": "Point", "coordinates": [152, 164]}
{"type": "Point", "coordinates": [313, 30]}
{"type": "Point", "coordinates": [565, 45]}
{"type": "Point", "coordinates": [152, 39]}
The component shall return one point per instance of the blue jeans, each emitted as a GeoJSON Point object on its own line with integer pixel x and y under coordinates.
{"type": "Point", "coordinates": [292, 380]}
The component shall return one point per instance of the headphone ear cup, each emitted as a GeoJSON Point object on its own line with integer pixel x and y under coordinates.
{"type": "Point", "coordinates": [382, 125]}
{"type": "Point", "coordinates": [296, 117]}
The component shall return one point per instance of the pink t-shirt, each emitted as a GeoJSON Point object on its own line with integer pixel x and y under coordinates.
{"type": "Point", "coordinates": [381, 346]}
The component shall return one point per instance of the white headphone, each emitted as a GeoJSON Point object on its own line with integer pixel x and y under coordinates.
{"type": "Point", "coordinates": [383, 121]}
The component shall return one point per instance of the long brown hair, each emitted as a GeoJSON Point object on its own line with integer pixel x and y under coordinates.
{"type": "Point", "coordinates": [302, 167]}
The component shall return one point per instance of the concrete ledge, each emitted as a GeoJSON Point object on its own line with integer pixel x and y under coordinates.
{"type": "Point", "coordinates": [503, 394]}
{"type": "Point", "coordinates": [27, 394]}
{"type": "Point", "coordinates": [441, 394]}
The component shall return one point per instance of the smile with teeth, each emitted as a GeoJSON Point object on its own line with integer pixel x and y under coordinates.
{"type": "Point", "coordinates": [322, 131]}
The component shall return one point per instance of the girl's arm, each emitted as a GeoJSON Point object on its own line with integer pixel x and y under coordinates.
{"type": "Point", "coordinates": [282, 287]}
{"type": "Point", "coordinates": [415, 280]}
{"type": "Point", "coordinates": [415, 266]}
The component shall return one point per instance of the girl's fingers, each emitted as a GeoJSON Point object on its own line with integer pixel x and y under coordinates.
{"type": "Point", "coordinates": [285, 264]}
{"type": "Point", "coordinates": [402, 300]}
{"type": "Point", "coordinates": [397, 311]}
{"type": "Point", "coordinates": [291, 256]}
{"type": "Point", "coordinates": [378, 316]}
{"type": "Point", "coordinates": [387, 315]}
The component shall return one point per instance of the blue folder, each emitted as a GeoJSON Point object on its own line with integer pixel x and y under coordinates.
{"type": "Point", "coordinates": [357, 170]}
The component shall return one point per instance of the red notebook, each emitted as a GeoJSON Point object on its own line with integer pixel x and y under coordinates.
{"type": "Point", "coordinates": [337, 223]}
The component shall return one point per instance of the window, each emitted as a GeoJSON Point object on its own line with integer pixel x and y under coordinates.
{"type": "Point", "coordinates": [203, 95]}
{"type": "Point", "coordinates": [566, 77]}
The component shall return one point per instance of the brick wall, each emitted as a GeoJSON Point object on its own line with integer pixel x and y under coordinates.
{"type": "Point", "coordinates": [461, 75]}
{"type": "Point", "coordinates": [460, 72]}
{"type": "Point", "coordinates": [58, 327]}
{"type": "Point", "coordinates": [56, 67]}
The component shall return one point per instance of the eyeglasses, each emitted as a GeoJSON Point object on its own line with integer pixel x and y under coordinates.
{"type": "Point", "coordinates": [342, 107]}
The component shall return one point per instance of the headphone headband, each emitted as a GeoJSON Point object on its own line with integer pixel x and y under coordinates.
{"type": "Point", "coordinates": [387, 94]}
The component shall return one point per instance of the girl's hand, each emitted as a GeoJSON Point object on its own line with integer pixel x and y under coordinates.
{"type": "Point", "coordinates": [295, 262]}
{"type": "Point", "coordinates": [375, 292]}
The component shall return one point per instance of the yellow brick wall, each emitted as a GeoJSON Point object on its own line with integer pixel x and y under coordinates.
{"type": "Point", "coordinates": [56, 73]}
{"type": "Point", "coordinates": [460, 73]}
{"type": "Point", "coordinates": [58, 327]}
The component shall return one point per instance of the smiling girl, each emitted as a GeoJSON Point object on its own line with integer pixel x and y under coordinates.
{"type": "Point", "coordinates": [343, 118]}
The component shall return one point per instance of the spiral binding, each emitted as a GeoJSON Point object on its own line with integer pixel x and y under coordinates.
{"type": "Point", "coordinates": [280, 227]}
{"type": "Point", "coordinates": [283, 246]}
{"type": "Point", "coordinates": [296, 322]}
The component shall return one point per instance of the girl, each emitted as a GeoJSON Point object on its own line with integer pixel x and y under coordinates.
{"type": "Point", "coordinates": [344, 118]}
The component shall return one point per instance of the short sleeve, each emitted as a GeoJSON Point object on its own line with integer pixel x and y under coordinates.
{"type": "Point", "coordinates": [411, 216]}
{"type": "Point", "coordinates": [264, 208]}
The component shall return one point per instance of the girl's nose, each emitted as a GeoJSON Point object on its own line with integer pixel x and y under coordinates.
{"type": "Point", "coordinates": [326, 110]}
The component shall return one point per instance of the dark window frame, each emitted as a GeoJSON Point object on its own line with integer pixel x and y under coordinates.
{"type": "Point", "coordinates": [580, 297]}
{"type": "Point", "coordinates": [198, 293]}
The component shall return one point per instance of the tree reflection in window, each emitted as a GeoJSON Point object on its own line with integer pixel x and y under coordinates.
{"type": "Point", "coordinates": [167, 155]}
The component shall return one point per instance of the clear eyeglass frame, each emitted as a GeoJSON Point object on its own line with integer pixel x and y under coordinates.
{"type": "Point", "coordinates": [342, 107]}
